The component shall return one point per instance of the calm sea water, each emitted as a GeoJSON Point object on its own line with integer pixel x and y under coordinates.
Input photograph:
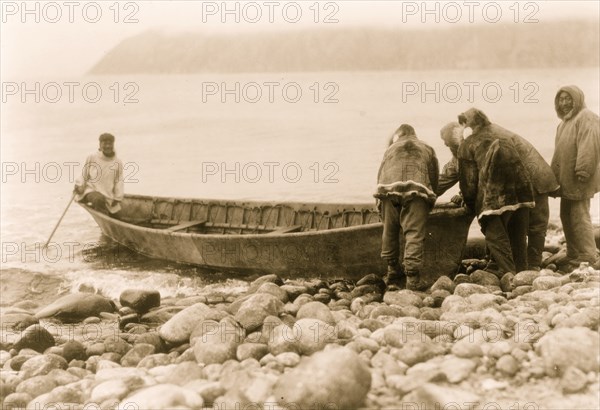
{"type": "Point", "coordinates": [289, 136]}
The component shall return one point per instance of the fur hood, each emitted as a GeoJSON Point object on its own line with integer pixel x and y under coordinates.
{"type": "Point", "coordinates": [578, 101]}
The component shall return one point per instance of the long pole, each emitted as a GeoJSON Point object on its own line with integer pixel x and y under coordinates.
{"type": "Point", "coordinates": [60, 220]}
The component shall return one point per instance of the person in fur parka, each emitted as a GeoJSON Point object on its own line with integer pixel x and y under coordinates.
{"type": "Point", "coordinates": [576, 164]}
{"type": "Point", "coordinates": [497, 187]}
{"type": "Point", "coordinates": [406, 184]}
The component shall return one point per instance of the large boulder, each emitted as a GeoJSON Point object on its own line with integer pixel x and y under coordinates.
{"type": "Point", "coordinates": [77, 306]}
{"type": "Point", "coordinates": [337, 375]}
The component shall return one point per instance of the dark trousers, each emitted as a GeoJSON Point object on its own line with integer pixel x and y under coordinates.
{"type": "Point", "coordinates": [410, 216]}
{"type": "Point", "coordinates": [536, 233]}
{"type": "Point", "coordinates": [578, 229]}
{"type": "Point", "coordinates": [506, 239]}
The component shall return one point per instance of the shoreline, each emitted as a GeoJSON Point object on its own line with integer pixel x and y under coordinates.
{"type": "Point", "coordinates": [529, 339]}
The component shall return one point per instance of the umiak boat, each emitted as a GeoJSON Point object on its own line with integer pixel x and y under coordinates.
{"type": "Point", "coordinates": [292, 239]}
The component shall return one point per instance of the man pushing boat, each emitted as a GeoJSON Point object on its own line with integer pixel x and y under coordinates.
{"type": "Point", "coordinates": [101, 182]}
{"type": "Point", "coordinates": [406, 185]}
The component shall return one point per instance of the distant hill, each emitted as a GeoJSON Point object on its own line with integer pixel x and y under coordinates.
{"type": "Point", "coordinates": [552, 45]}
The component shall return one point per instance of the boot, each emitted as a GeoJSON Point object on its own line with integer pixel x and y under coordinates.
{"type": "Point", "coordinates": [394, 278]}
{"type": "Point", "coordinates": [414, 282]}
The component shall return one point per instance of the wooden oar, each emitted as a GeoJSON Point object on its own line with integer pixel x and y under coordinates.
{"type": "Point", "coordinates": [60, 220]}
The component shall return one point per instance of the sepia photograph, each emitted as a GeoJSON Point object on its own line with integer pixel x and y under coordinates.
{"type": "Point", "coordinates": [311, 204]}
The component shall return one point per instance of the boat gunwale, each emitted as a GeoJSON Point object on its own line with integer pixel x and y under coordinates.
{"type": "Point", "coordinates": [454, 209]}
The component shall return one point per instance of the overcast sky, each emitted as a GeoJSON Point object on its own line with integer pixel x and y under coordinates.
{"type": "Point", "coordinates": [67, 38]}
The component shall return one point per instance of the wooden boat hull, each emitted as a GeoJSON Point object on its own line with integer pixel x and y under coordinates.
{"type": "Point", "coordinates": [317, 251]}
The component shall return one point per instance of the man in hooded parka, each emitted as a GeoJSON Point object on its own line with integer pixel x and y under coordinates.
{"type": "Point", "coordinates": [576, 164]}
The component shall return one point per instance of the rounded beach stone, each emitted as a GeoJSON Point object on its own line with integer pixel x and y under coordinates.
{"type": "Point", "coordinates": [508, 365]}
{"type": "Point", "coordinates": [41, 365]}
{"type": "Point", "coordinates": [116, 345]}
{"type": "Point", "coordinates": [564, 347]}
{"type": "Point", "coordinates": [140, 300]}
{"type": "Point", "coordinates": [18, 320]}
{"type": "Point", "coordinates": [573, 380]}
{"type": "Point", "coordinates": [466, 289]}
{"type": "Point", "coordinates": [253, 311]}
{"type": "Point", "coordinates": [272, 278]}
{"type": "Point", "coordinates": [462, 278]}
{"type": "Point", "coordinates": [525, 278]}
{"type": "Point", "coordinates": [273, 289]}
{"type": "Point", "coordinates": [430, 395]}
{"type": "Point", "coordinates": [114, 389]}
{"type": "Point", "coordinates": [288, 359]}
{"type": "Point", "coordinates": [412, 353]}
{"type": "Point", "coordinates": [155, 360]}
{"type": "Point", "coordinates": [16, 400]}
{"type": "Point", "coordinates": [467, 348]}
{"type": "Point", "coordinates": [136, 354]}
{"type": "Point", "coordinates": [484, 278]}
{"type": "Point", "coordinates": [184, 373]}
{"type": "Point", "coordinates": [403, 298]}
{"type": "Point", "coordinates": [218, 344]}
{"type": "Point", "coordinates": [283, 339]}
{"type": "Point", "coordinates": [77, 306]}
{"type": "Point", "coordinates": [251, 350]}
{"type": "Point", "coordinates": [457, 369]}
{"type": "Point", "coordinates": [315, 310]}
{"type": "Point", "coordinates": [443, 283]}
{"type": "Point", "coordinates": [162, 397]}
{"type": "Point", "coordinates": [546, 282]}
{"type": "Point", "coordinates": [73, 350]}
{"type": "Point", "coordinates": [507, 282]}
{"type": "Point", "coordinates": [336, 375]}
{"type": "Point", "coordinates": [293, 291]}
{"type": "Point", "coordinates": [178, 328]}
{"type": "Point", "coordinates": [311, 335]}
{"type": "Point", "coordinates": [521, 290]}
{"type": "Point", "coordinates": [35, 337]}
{"type": "Point", "coordinates": [36, 385]}
{"type": "Point", "coordinates": [95, 349]}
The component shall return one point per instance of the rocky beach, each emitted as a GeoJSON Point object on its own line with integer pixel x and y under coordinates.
{"type": "Point", "coordinates": [474, 341]}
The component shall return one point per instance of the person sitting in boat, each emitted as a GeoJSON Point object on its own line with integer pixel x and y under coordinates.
{"type": "Point", "coordinates": [542, 179]}
{"type": "Point", "coordinates": [101, 182]}
{"type": "Point", "coordinates": [452, 135]}
{"type": "Point", "coordinates": [496, 186]}
{"type": "Point", "coordinates": [406, 185]}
